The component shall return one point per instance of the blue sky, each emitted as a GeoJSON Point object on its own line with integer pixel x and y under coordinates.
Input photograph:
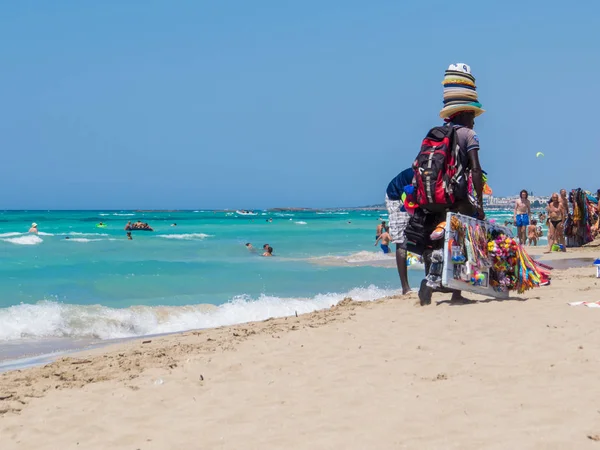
{"type": "Point", "coordinates": [239, 104]}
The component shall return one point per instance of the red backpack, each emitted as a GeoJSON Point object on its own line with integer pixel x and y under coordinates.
{"type": "Point", "coordinates": [439, 171]}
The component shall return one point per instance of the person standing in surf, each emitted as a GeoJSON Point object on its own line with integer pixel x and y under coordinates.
{"type": "Point", "coordinates": [381, 228]}
{"type": "Point", "coordinates": [521, 216]}
{"type": "Point", "coordinates": [385, 242]}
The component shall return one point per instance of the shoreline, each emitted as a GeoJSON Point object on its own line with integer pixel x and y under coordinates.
{"type": "Point", "coordinates": [46, 349]}
{"type": "Point", "coordinates": [416, 376]}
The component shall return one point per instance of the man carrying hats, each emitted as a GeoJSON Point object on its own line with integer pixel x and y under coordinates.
{"type": "Point", "coordinates": [461, 106]}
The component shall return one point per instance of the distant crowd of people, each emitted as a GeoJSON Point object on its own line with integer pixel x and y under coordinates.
{"type": "Point", "coordinates": [556, 217]}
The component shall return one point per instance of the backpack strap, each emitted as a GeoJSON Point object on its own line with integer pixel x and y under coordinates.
{"type": "Point", "coordinates": [455, 152]}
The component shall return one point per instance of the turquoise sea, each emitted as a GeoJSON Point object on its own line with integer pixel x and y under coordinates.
{"type": "Point", "coordinates": [98, 285]}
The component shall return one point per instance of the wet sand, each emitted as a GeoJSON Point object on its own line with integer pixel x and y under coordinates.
{"type": "Point", "coordinates": [390, 374]}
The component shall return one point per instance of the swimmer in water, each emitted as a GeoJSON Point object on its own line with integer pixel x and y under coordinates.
{"type": "Point", "coordinates": [173, 224]}
{"type": "Point", "coordinates": [33, 228]}
{"type": "Point", "coordinates": [129, 237]}
{"type": "Point", "coordinates": [250, 247]}
{"type": "Point", "coordinates": [268, 252]}
{"type": "Point", "coordinates": [385, 239]}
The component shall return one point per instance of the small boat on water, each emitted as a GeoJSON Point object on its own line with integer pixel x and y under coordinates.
{"type": "Point", "coordinates": [138, 226]}
{"type": "Point", "coordinates": [243, 212]}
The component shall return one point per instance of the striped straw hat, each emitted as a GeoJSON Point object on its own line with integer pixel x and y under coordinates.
{"type": "Point", "coordinates": [460, 92]}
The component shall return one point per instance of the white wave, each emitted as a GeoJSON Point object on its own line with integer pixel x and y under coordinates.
{"type": "Point", "coordinates": [75, 233]}
{"type": "Point", "coordinates": [366, 256]}
{"type": "Point", "coordinates": [83, 240]}
{"type": "Point", "coordinates": [123, 214]}
{"type": "Point", "coordinates": [51, 319]}
{"type": "Point", "coordinates": [363, 258]}
{"type": "Point", "coordinates": [41, 233]}
{"type": "Point", "coordinates": [300, 222]}
{"type": "Point", "coordinates": [30, 239]}
{"type": "Point", "coordinates": [104, 214]}
{"type": "Point", "coordinates": [189, 236]}
{"type": "Point", "coordinates": [14, 233]}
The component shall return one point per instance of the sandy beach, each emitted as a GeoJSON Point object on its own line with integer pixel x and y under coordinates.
{"type": "Point", "coordinates": [386, 374]}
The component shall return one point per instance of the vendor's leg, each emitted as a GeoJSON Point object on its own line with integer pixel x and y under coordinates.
{"type": "Point", "coordinates": [425, 292]}
{"type": "Point", "coordinates": [402, 268]}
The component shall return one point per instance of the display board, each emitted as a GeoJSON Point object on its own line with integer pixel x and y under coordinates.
{"type": "Point", "coordinates": [468, 265]}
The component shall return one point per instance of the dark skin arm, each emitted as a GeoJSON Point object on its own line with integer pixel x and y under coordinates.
{"type": "Point", "coordinates": [477, 176]}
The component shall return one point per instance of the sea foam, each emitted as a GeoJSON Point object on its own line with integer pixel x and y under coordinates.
{"type": "Point", "coordinates": [188, 236]}
{"type": "Point", "coordinates": [28, 239]}
{"type": "Point", "coordinates": [52, 319]}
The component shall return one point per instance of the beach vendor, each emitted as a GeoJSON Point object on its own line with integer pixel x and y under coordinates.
{"type": "Point", "coordinates": [461, 106]}
{"type": "Point", "coordinates": [398, 220]}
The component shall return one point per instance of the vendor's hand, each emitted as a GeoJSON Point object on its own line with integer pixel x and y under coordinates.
{"type": "Point", "coordinates": [480, 213]}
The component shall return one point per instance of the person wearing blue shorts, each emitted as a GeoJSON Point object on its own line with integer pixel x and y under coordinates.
{"type": "Point", "coordinates": [522, 220]}
{"type": "Point", "coordinates": [521, 216]}
{"type": "Point", "coordinates": [385, 239]}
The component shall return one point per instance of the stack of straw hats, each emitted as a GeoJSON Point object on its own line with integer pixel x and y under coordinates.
{"type": "Point", "coordinates": [460, 92]}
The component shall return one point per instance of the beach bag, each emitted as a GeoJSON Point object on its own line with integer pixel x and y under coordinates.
{"type": "Point", "coordinates": [415, 232]}
{"type": "Point", "coordinates": [440, 179]}
{"type": "Point", "coordinates": [419, 229]}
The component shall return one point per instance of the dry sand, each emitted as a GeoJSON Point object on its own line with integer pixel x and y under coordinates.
{"type": "Point", "coordinates": [516, 374]}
